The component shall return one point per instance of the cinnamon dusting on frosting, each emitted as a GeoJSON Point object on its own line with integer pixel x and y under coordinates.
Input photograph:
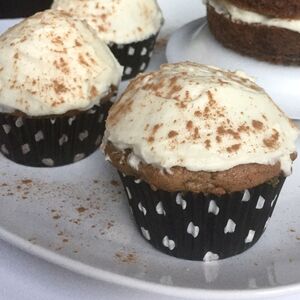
{"type": "Point", "coordinates": [222, 131]}
{"type": "Point", "coordinates": [172, 134]}
{"type": "Point", "coordinates": [153, 132]}
{"type": "Point", "coordinates": [211, 120]}
{"type": "Point", "coordinates": [272, 141]}
{"type": "Point", "coordinates": [37, 60]}
{"type": "Point", "coordinates": [107, 18]}
{"type": "Point", "coordinates": [59, 87]}
{"type": "Point", "coordinates": [189, 125]}
{"type": "Point", "coordinates": [233, 148]}
{"type": "Point", "coordinates": [257, 125]}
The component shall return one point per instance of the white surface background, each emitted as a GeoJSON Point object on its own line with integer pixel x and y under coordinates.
{"type": "Point", "coordinates": [23, 276]}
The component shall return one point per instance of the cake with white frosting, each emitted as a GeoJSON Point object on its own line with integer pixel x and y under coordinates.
{"type": "Point", "coordinates": [129, 27]}
{"type": "Point", "coordinates": [53, 68]}
{"type": "Point", "coordinates": [266, 30]}
{"type": "Point", "coordinates": [189, 137]}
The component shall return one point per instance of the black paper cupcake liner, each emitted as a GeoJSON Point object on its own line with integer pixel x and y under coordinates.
{"type": "Point", "coordinates": [134, 57]}
{"type": "Point", "coordinates": [201, 227]}
{"type": "Point", "coordinates": [54, 140]}
{"type": "Point", "coordinates": [22, 8]}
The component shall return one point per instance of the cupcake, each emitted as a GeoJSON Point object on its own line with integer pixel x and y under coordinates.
{"type": "Point", "coordinates": [129, 27]}
{"type": "Point", "coordinates": [203, 154]}
{"type": "Point", "coordinates": [56, 81]}
{"type": "Point", "coordinates": [265, 30]}
{"type": "Point", "coordinates": [23, 8]}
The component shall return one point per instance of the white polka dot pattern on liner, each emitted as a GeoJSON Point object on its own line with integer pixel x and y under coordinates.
{"type": "Point", "coordinates": [49, 162]}
{"type": "Point", "coordinates": [128, 70]}
{"type": "Point", "coordinates": [246, 196]}
{"type": "Point", "coordinates": [146, 233]}
{"type": "Point", "coordinates": [19, 122]}
{"type": "Point", "coordinates": [142, 209]}
{"type": "Point", "coordinates": [209, 256]}
{"type": "Point", "coordinates": [230, 227]}
{"type": "Point", "coordinates": [25, 148]}
{"type": "Point", "coordinates": [138, 181]}
{"type": "Point", "coordinates": [79, 157]}
{"type": "Point", "coordinates": [52, 120]}
{"type": "Point", "coordinates": [83, 135]}
{"type": "Point", "coordinates": [144, 51]}
{"type": "Point", "coordinates": [193, 229]}
{"type": "Point", "coordinates": [168, 243]}
{"type": "Point", "coordinates": [181, 201]}
{"type": "Point", "coordinates": [4, 149]}
{"type": "Point", "coordinates": [39, 136]}
{"type": "Point", "coordinates": [143, 66]}
{"type": "Point", "coordinates": [260, 202]}
{"type": "Point", "coordinates": [250, 236]}
{"type": "Point", "coordinates": [160, 209]}
{"type": "Point", "coordinates": [213, 208]}
{"type": "Point", "coordinates": [64, 139]}
{"type": "Point", "coordinates": [6, 128]}
{"type": "Point", "coordinates": [128, 192]}
{"type": "Point", "coordinates": [70, 121]}
{"type": "Point", "coordinates": [131, 51]}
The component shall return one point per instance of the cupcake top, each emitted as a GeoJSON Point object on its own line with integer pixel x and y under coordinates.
{"type": "Point", "coordinates": [117, 21]}
{"type": "Point", "coordinates": [199, 118]}
{"type": "Point", "coordinates": [51, 64]}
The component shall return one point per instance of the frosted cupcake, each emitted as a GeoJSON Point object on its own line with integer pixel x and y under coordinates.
{"type": "Point", "coordinates": [203, 154]}
{"type": "Point", "coordinates": [129, 27]}
{"type": "Point", "coordinates": [266, 30]}
{"type": "Point", "coordinates": [57, 78]}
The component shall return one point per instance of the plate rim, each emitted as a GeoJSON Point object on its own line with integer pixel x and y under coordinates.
{"type": "Point", "coordinates": [142, 285]}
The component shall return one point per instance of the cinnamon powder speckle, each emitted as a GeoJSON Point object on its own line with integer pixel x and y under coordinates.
{"type": "Point", "coordinates": [81, 209]}
{"type": "Point", "coordinates": [257, 125]}
{"type": "Point", "coordinates": [172, 134]}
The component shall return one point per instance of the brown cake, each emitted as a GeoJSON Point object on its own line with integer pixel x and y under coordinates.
{"type": "Point", "coordinates": [203, 154]}
{"type": "Point", "coordinates": [266, 30]}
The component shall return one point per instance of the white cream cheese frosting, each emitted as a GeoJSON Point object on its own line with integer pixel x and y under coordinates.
{"type": "Point", "coordinates": [51, 64]}
{"type": "Point", "coordinates": [201, 118]}
{"type": "Point", "coordinates": [117, 21]}
{"type": "Point", "coordinates": [238, 14]}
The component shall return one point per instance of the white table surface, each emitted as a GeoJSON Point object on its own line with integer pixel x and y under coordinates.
{"type": "Point", "coordinates": [23, 276]}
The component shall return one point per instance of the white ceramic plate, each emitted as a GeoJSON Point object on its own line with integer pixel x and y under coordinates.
{"type": "Point", "coordinates": [77, 217]}
{"type": "Point", "coordinates": [281, 82]}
